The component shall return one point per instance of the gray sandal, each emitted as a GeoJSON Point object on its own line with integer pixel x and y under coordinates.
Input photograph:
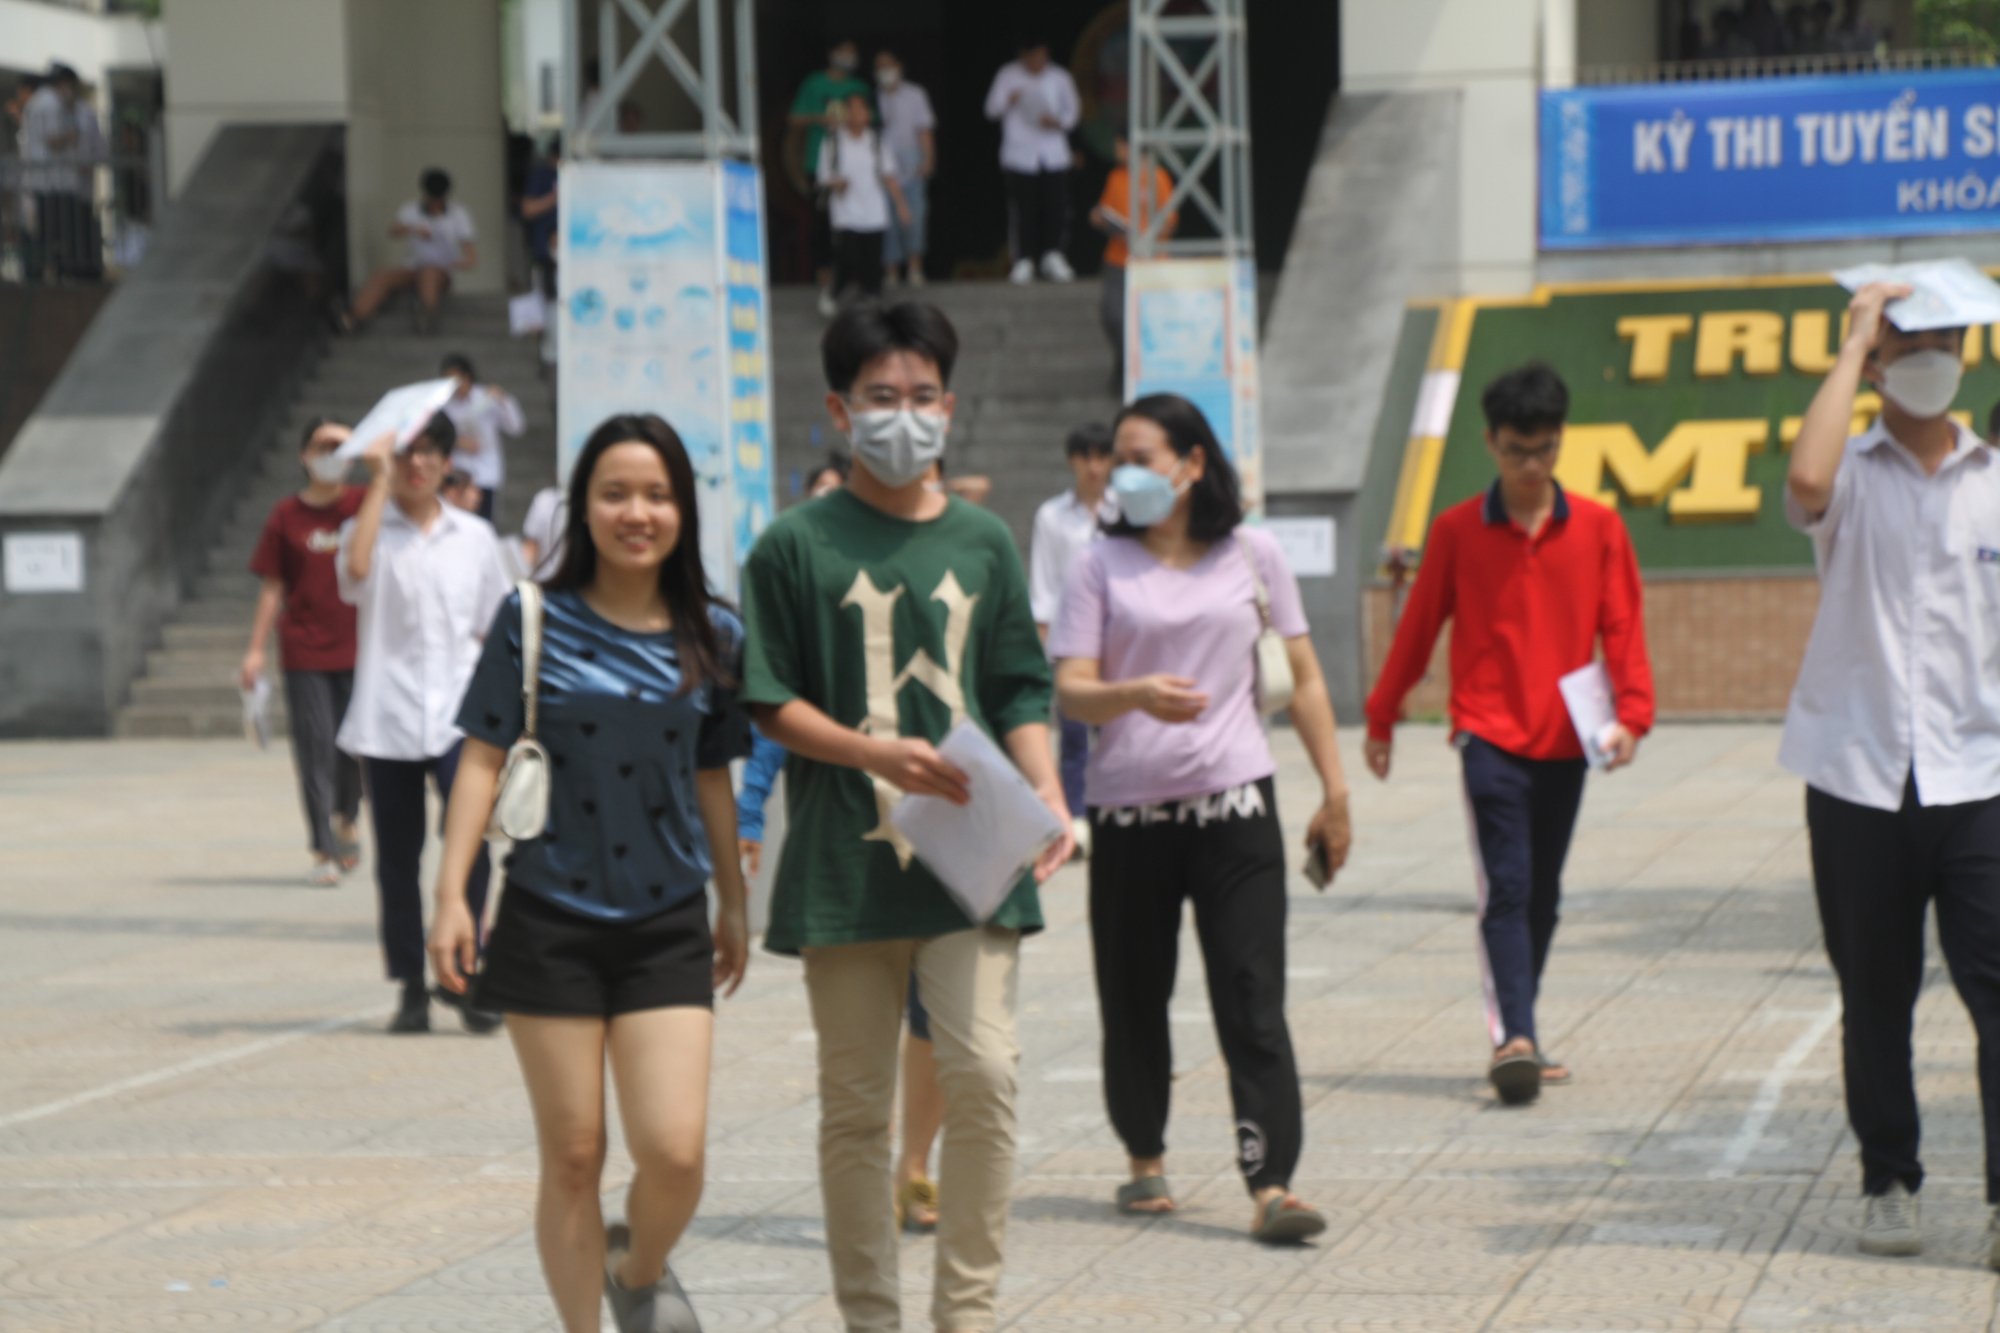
{"type": "Point", "coordinates": [1279, 1225]}
{"type": "Point", "coordinates": [1144, 1190]}
{"type": "Point", "coordinates": [661, 1308]}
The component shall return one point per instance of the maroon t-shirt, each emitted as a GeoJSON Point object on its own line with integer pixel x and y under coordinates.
{"type": "Point", "coordinates": [316, 629]}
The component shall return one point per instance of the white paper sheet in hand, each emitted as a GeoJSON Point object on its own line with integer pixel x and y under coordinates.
{"type": "Point", "coordinates": [1587, 692]}
{"type": "Point", "coordinates": [257, 712]}
{"type": "Point", "coordinates": [406, 411]}
{"type": "Point", "coordinates": [1949, 293]}
{"type": "Point", "coordinates": [979, 851]}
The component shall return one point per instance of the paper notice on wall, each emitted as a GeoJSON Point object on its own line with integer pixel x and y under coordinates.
{"type": "Point", "coordinates": [1307, 544]}
{"type": "Point", "coordinates": [1948, 293]}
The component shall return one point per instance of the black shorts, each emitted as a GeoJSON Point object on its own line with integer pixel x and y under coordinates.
{"type": "Point", "coordinates": [553, 963]}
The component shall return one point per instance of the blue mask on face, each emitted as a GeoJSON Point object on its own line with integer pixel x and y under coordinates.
{"type": "Point", "coordinates": [1144, 496]}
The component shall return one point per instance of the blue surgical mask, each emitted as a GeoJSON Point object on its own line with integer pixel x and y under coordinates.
{"type": "Point", "coordinates": [1145, 497]}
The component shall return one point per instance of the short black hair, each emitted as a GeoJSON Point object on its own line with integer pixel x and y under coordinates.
{"type": "Point", "coordinates": [456, 478]}
{"type": "Point", "coordinates": [1527, 398]}
{"type": "Point", "coordinates": [837, 464]}
{"type": "Point", "coordinates": [458, 363]}
{"type": "Point", "coordinates": [439, 432]}
{"type": "Point", "coordinates": [61, 73]}
{"type": "Point", "coordinates": [313, 424]}
{"type": "Point", "coordinates": [1092, 438]}
{"type": "Point", "coordinates": [435, 183]}
{"type": "Point", "coordinates": [1216, 501]}
{"type": "Point", "coordinates": [866, 330]}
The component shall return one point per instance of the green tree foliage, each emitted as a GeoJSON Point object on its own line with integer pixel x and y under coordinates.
{"type": "Point", "coordinates": [1959, 25]}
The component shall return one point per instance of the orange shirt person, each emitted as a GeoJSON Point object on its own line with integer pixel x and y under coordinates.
{"type": "Point", "coordinates": [1118, 215]}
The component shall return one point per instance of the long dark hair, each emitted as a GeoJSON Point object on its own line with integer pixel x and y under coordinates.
{"type": "Point", "coordinates": [1215, 505]}
{"type": "Point", "coordinates": [683, 582]}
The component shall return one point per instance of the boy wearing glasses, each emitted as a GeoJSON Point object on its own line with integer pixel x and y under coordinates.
{"type": "Point", "coordinates": [879, 617]}
{"type": "Point", "coordinates": [1532, 577]}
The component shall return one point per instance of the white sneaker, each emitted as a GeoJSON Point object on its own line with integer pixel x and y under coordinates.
{"type": "Point", "coordinates": [1889, 1223]}
{"type": "Point", "coordinates": [1080, 829]}
{"type": "Point", "coordinates": [1023, 272]}
{"type": "Point", "coordinates": [828, 307]}
{"type": "Point", "coordinates": [1056, 269]}
{"type": "Point", "coordinates": [916, 278]}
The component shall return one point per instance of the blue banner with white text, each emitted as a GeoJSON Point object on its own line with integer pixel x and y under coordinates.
{"type": "Point", "coordinates": [1783, 159]}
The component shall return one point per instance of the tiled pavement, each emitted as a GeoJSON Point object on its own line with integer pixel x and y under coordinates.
{"type": "Point", "coordinates": [201, 1127]}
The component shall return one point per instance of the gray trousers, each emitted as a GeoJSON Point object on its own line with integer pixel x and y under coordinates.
{"type": "Point", "coordinates": [329, 781]}
{"type": "Point", "coordinates": [1111, 312]}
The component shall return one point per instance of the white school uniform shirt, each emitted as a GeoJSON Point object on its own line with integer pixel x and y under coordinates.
{"type": "Point", "coordinates": [906, 113]}
{"type": "Point", "coordinates": [422, 614]}
{"type": "Point", "coordinates": [44, 119]}
{"type": "Point", "coordinates": [863, 161]}
{"type": "Point", "coordinates": [548, 516]}
{"type": "Point", "coordinates": [1025, 143]}
{"type": "Point", "coordinates": [450, 232]}
{"type": "Point", "coordinates": [482, 416]}
{"type": "Point", "coordinates": [1064, 529]}
{"type": "Point", "coordinates": [1902, 671]}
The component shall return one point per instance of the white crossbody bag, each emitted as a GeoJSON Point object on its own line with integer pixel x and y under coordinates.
{"type": "Point", "coordinates": [1274, 661]}
{"type": "Point", "coordinates": [521, 807]}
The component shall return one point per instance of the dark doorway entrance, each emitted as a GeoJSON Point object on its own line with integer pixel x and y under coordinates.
{"type": "Point", "coordinates": [953, 49]}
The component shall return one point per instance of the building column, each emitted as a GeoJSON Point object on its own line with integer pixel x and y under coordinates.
{"type": "Point", "coordinates": [425, 90]}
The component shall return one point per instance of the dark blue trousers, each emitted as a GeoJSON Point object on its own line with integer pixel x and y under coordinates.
{"type": "Point", "coordinates": [396, 804]}
{"type": "Point", "coordinates": [1075, 754]}
{"type": "Point", "coordinates": [1522, 813]}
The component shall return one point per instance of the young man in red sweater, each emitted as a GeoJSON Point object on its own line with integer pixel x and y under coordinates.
{"type": "Point", "coordinates": [1532, 577]}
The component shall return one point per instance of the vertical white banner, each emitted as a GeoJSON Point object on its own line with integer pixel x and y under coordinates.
{"type": "Point", "coordinates": [643, 322]}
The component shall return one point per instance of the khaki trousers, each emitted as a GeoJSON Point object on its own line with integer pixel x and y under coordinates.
{"type": "Point", "coordinates": [969, 982]}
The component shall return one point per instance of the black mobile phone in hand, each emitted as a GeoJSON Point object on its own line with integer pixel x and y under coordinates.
{"type": "Point", "coordinates": [1319, 868]}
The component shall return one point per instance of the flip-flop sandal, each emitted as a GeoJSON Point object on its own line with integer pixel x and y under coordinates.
{"type": "Point", "coordinates": [1517, 1078]}
{"type": "Point", "coordinates": [1144, 1190]}
{"type": "Point", "coordinates": [913, 1195]}
{"type": "Point", "coordinates": [1548, 1062]}
{"type": "Point", "coordinates": [1281, 1224]}
{"type": "Point", "coordinates": [324, 875]}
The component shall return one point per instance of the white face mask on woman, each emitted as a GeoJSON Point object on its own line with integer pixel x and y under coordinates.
{"type": "Point", "coordinates": [1923, 383]}
{"type": "Point", "coordinates": [897, 445]}
{"type": "Point", "coordinates": [327, 468]}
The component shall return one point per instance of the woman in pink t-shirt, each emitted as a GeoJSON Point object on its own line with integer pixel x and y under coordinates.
{"type": "Point", "coordinates": [1155, 646]}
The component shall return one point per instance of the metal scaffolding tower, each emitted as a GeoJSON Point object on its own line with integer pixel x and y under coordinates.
{"type": "Point", "coordinates": [728, 124]}
{"type": "Point", "coordinates": [1190, 114]}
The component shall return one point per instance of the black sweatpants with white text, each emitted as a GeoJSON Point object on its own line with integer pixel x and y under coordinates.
{"type": "Point", "coordinates": [1225, 853]}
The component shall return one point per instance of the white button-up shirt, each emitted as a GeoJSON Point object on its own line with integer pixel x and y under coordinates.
{"type": "Point", "coordinates": [1064, 526]}
{"type": "Point", "coordinates": [1025, 143]}
{"type": "Point", "coordinates": [424, 610]}
{"type": "Point", "coordinates": [480, 417]}
{"type": "Point", "coordinates": [1902, 673]}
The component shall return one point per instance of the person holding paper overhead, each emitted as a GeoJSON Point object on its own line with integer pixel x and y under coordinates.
{"type": "Point", "coordinates": [879, 617]}
{"type": "Point", "coordinates": [1155, 644]}
{"type": "Point", "coordinates": [424, 578]}
{"type": "Point", "coordinates": [1894, 724]}
{"type": "Point", "coordinates": [1533, 579]}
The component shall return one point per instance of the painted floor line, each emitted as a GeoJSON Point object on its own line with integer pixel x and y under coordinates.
{"type": "Point", "coordinates": [1772, 1091]}
{"type": "Point", "coordinates": [192, 1065]}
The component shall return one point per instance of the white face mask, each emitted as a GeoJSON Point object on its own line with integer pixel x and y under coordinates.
{"type": "Point", "coordinates": [897, 446]}
{"type": "Point", "coordinates": [1923, 383]}
{"type": "Point", "coordinates": [327, 468]}
{"type": "Point", "coordinates": [888, 79]}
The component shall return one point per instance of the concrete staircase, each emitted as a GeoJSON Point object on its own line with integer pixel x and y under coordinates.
{"type": "Point", "coordinates": [189, 686]}
{"type": "Point", "coordinates": [1033, 363]}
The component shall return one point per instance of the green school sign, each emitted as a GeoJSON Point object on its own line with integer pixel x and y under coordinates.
{"type": "Point", "coordinates": [1684, 402]}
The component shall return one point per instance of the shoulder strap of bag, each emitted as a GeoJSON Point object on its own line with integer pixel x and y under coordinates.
{"type": "Point", "coordinates": [1256, 579]}
{"type": "Point", "coordinates": [531, 649]}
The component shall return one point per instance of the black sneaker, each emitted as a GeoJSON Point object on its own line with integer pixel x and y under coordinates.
{"type": "Point", "coordinates": [414, 1014]}
{"type": "Point", "coordinates": [661, 1308]}
{"type": "Point", "coordinates": [479, 1022]}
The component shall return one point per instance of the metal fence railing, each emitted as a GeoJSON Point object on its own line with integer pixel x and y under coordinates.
{"type": "Point", "coordinates": [74, 220]}
{"type": "Point", "coordinates": [1770, 67]}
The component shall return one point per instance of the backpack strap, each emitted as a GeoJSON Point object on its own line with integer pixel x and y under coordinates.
{"type": "Point", "coordinates": [531, 649]}
{"type": "Point", "coordinates": [1263, 593]}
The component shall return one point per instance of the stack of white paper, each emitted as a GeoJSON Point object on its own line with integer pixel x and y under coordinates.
{"type": "Point", "coordinates": [406, 411]}
{"type": "Point", "coordinates": [1587, 692]}
{"type": "Point", "coordinates": [1949, 293]}
{"type": "Point", "coordinates": [978, 851]}
{"type": "Point", "coordinates": [257, 712]}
